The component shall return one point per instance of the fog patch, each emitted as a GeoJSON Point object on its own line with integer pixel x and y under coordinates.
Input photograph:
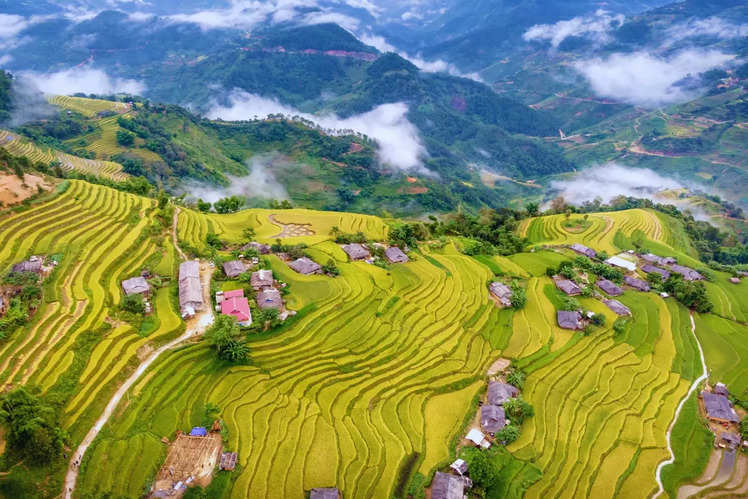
{"type": "Point", "coordinates": [611, 180]}
{"type": "Point", "coordinates": [260, 183]}
{"type": "Point", "coordinates": [85, 80]}
{"type": "Point", "coordinates": [648, 80]}
{"type": "Point", "coordinates": [399, 140]}
{"type": "Point", "coordinates": [596, 27]}
{"type": "Point", "coordinates": [710, 26]}
{"type": "Point", "coordinates": [28, 103]}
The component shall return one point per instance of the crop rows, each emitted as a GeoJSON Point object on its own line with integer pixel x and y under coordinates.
{"type": "Point", "coordinates": [87, 107]}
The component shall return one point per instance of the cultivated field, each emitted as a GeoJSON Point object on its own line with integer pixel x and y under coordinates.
{"type": "Point", "coordinates": [87, 107]}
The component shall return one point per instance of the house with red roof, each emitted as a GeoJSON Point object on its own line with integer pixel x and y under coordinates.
{"type": "Point", "coordinates": [234, 303]}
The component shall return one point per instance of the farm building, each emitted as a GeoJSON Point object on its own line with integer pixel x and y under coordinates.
{"type": "Point", "coordinates": [492, 418]}
{"type": "Point", "coordinates": [620, 262]}
{"type": "Point", "coordinates": [446, 486]}
{"type": "Point", "coordinates": [135, 286]}
{"type": "Point", "coordinates": [609, 287]}
{"type": "Point", "coordinates": [567, 286]}
{"type": "Point", "coordinates": [324, 493]}
{"type": "Point", "coordinates": [569, 319]}
{"type": "Point", "coordinates": [235, 304]}
{"type": "Point", "coordinates": [460, 466]}
{"type": "Point", "coordinates": [651, 269]}
{"type": "Point", "coordinates": [33, 264]}
{"type": "Point", "coordinates": [395, 255]}
{"type": "Point", "coordinates": [721, 389]}
{"type": "Point", "coordinates": [198, 431]}
{"type": "Point", "coordinates": [735, 280]}
{"type": "Point", "coordinates": [688, 273]}
{"type": "Point", "coordinates": [657, 260]}
{"type": "Point", "coordinates": [583, 250]}
{"type": "Point", "coordinates": [356, 251]}
{"type": "Point", "coordinates": [261, 279]}
{"type": "Point", "coordinates": [617, 307]}
{"type": "Point", "coordinates": [499, 392]}
{"type": "Point", "coordinates": [719, 408]}
{"type": "Point", "coordinates": [269, 298]}
{"type": "Point", "coordinates": [478, 438]}
{"type": "Point", "coordinates": [262, 249]}
{"type": "Point", "coordinates": [234, 268]}
{"type": "Point", "coordinates": [305, 266]}
{"type": "Point", "coordinates": [635, 283]}
{"type": "Point", "coordinates": [502, 292]}
{"type": "Point", "coordinates": [228, 461]}
{"type": "Point", "coordinates": [731, 440]}
{"type": "Point", "coordinates": [190, 289]}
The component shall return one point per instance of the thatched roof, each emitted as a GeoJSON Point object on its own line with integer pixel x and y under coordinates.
{"type": "Point", "coordinates": [567, 286]}
{"type": "Point", "coordinates": [446, 486]}
{"type": "Point", "coordinates": [262, 249]}
{"type": "Point", "coordinates": [324, 493]}
{"type": "Point", "coordinates": [234, 268]}
{"type": "Point", "coordinates": [688, 273]}
{"type": "Point", "coordinates": [261, 279]}
{"type": "Point", "coordinates": [569, 319]}
{"type": "Point", "coordinates": [609, 287]}
{"type": "Point", "coordinates": [617, 307]}
{"type": "Point", "coordinates": [28, 266]}
{"type": "Point", "coordinates": [269, 298]}
{"type": "Point", "coordinates": [719, 407]}
{"type": "Point", "coordinates": [499, 392]}
{"type": "Point", "coordinates": [492, 418]}
{"type": "Point", "coordinates": [635, 283]}
{"type": "Point", "coordinates": [304, 265]}
{"type": "Point", "coordinates": [721, 389]}
{"type": "Point", "coordinates": [135, 286]}
{"type": "Point", "coordinates": [228, 461]}
{"type": "Point", "coordinates": [190, 289]}
{"type": "Point", "coordinates": [395, 255]}
{"type": "Point", "coordinates": [651, 269]}
{"type": "Point", "coordinates": [583, 250]}
{"type": "Point", "coordinates": [356, 251]}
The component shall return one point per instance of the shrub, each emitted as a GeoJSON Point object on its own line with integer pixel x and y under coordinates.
{"type": "Point", "coordinates": [133, 304]}
{"type": "Point", "coordinates": [331, 268]}
{"type": "Point", "coordinates": [598, 319]}
{"type": "Point", "coordinates": [508, 434]}
{"type": "Point", "coordinates": [516, 377]}
{"type": "Point", "coordinates": [519, 296]}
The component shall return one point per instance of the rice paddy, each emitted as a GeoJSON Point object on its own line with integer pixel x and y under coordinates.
{"type": "Point", "coordinates": [87, 107]}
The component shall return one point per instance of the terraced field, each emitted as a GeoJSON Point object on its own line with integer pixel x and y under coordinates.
{"type": "Point", "coordinates": [21, 147]}
{"type": "Point", "coordinates": [87, 107]}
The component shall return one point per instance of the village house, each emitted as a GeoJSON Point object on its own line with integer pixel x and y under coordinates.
{"type": "Point", "coordinates": [657, 260]}
{"type": "Point", "coordinates": [459, 466]}
{"type": "Point", "coordinates": [235, 304]}
{"type": "Point", "coordinates": [730, 440]}
{"type": "Point", "coordinates": [228, 461]}
{"type": "Point", "coordinates": [356, 251]}
{"type": "Point", "coordinates": [567, 286]}
{"type": "Point", "coordinates": [499, 392]}
{"type": "Point", "coordinates": [609, 287]}
{"type": "Point", "coordinates": [33, 264]}
{"type": "Point", "coordinates": [583, 250]}
{"type": "Point", "coordinates": [262, 249]}
{"type": "Point", "coordinates": [688, 273]}
{"type": "Point", "coordinates": [395, 255]}
{"type": "Point", "coordinates": [735, 280]}
{"type": "Point", "coordinates": [136, 286]}
{"type": "Point", "coordinates": [324, 493]}
{"type": "Point", "coordinates": [502, 292]}
{"type": "Point", "coordinates": [620, 262]}
{"type": "Point", "coordinates": [492, 418]}
{"type": "Point", "coordinates": [305, 266]}
{"type": "Point", "coordinates": [617, 307]}
{"type": "Point", "coordinates": [721, 389]}
{"type": "Point", "coordinates": [447, 486]}
{"type": "Point", "coordinates": [261, 279]}
{"type": "Point", "coordinates": [719, 408]}
{"type": "Point", "coordinates": [234, 268]}
{"type": "Point", "coordinates": [635, 283]}
{"type": "Point", "coordinates": [478, 438]}
{"type": "Point", "coordinates": [651, 269]}
{"type": "Point", "coordinates": [269, 298]}
{"type": "Point", "coordinates": [569, 319]}
{"type": "Point", "coordinates": [190, 289]}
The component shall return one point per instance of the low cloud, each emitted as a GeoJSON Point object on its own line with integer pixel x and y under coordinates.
{"type": "Point", "coordinates": [28, 103]}
{"type": "Point", "coordinates": [260, 183]}
{"type": "Point", "coordinates": [399, 140]}
{"type": "Point", "coordinates": [595, 27]}
{"type": "Point", "coordinates": [611, 180]}
{"type": "Point", "coordinates": [644, 79]}
{"type": "Point", "coordinates": [710, 26]}
{"type": "Point", "coordinates": [85, 80]}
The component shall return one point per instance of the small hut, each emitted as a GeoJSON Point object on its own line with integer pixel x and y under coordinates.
{"type": "Point", "coordinates": [568, 286]}
{"type": "Point", "coordinates": [492, 418]}
{"type": "Point", "coordinates": [583, 250]}
{"type": "Point", "coordinates": [136, 286]}
{"type": "Point", "coordinates": [569, 319]}
{"type": "Point", "coordinates": [609, 287]}
{"type": "Point", "coordinates": [617, 307]}
{"type": "Point", "coordinates": [234, 268]}
{"type": "Point", "coordinates": [635, 283]}
{"type": "Point", "coordinates": [269, 298]}
{"type": "Point", "coordinates": [305, 266]}
{"type": "Point", "coordinates": [395, 255]}
{"type": "Point", "coordinates": [261, 279]}
{"type": "Point", "coordinates": [324, 493]}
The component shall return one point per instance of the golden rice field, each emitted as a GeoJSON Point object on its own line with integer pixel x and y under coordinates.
{"type": "Point", "coordinates": [379, 368]}
{"type": "Point", "coordinates": [21, 147]}
{"type": "Point", "coordinates": [87, 107]}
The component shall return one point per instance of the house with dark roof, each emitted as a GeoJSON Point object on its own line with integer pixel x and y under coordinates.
{"type": "Point", "coordinates": [721, 389]}
{"type": "Point", "coordinates": [190, 289]}
{"type": "Point", "coordinates": [502, 292]}
{"type": "Point", "coordinates": [305, 266]}
{"type": "Point", "coordinates": [583, 250]}
{"type": "Point", "coordinates": [262, 249]}
{"type": "Point", "coordinates": [688, 273]}
{"type": "Point", "coordinates": [33, 264]}
{"type": "Point", "coordinates": [261, 279]}
{"type": "Point", "coordinates": [651, 269]}
{"type": "Point", "coordinates": [395, 255]}
{"type": "Point", "coordinates": [236, 305]}
{"type": "Point", "coordinates": [446, 486]}
{"type": "Point", "coordinates": [228, 461]}
{"type": "Point", "coordinates": [269, 298]}
{"type": "Point", "coordinates": [609, 287]}
{"type": "Point", "coordinates": [567, 286]}
{"type": "Point", "coordinates": [653, 259]}
{"type": "Point", "coordinates": [324, 493]}
{"type": "Point", "coordinates": [499, 392]}
{"type": "Point", "coordinates": [492, 418]}
{"type": "Point", "coordinates": [638, 284]}
{"type": "Point", "coordinates": [135, 286]}
{"type": "Point", "coordinates": [234, 268]}
{"type": "Point", "coordinates": [617, 307]}
{"type": "Point", "coordinates": [356, 251]}
{"type": "Point", "coordinates": [719, 408]}
{"type": "Point", "coordinates": [569, 319]}
{"type": "Point", "coordinates": [731, 440]}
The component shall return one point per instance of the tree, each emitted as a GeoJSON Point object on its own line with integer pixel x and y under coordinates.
{"type": "Point", "coordinates": [532, 209]}
{"type": "Point", "coordinates": [229, 204]}
{"type": "Point", "coordinates": [516, 378]}
{"type": "Point", "coordinates": [212, 240]}
{"type": "Point", "coordinates": [508, 434]}
{"type": "Point", "coordinates": [33, 430]}
{"type": "Point", "coordinates": [598, 319]}
{"type": "Point", "coordinates": [519, 296]}
{"type": "Point", "coordinates": [558, 204]}
{"type": "Point", "coordinates": [483, 472]}
{"type": "Point", "coordinates": [331, 268]}
{"type": "Point", "coordinates": [203, 206]}
{"type": "Point", "coordinates": [163, 199]}
{"type": "Point", "coordinates": [692, 294]}
{"type": "Point", "coordinates": [249, 234]}
{"type": "Point", "coordinates": [222, 336]}
{"type": "Point", "coordinates": [744, 427]}
{"type": "Point", "coordinates": [125, 138]}
{"type": "Point", "coordinates": [133, 304]}
{"type": "Point", "coordinates": [518, 410]}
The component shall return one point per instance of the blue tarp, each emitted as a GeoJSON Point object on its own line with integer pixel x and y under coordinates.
{"type": "Point", "coordinates": [198, 431]}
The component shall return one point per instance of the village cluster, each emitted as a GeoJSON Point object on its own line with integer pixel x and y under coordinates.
{"type": "Point", "coordinates": [723, 419]}
{"type": "Point", "coordinates": [38, 265]}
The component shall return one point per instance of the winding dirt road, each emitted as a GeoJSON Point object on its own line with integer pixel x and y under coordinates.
{"type": "Point", "coordinates": [694, 386]}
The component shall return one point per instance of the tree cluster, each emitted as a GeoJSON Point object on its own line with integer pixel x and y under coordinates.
{"type": "Point", "coordinates": [34, 432]}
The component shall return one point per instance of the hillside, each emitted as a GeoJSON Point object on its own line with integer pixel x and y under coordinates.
{"type": "Point", "coordinates": [371, 384]}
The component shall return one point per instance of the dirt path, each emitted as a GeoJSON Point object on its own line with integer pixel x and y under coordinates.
{"type": "Point", "coordinates": [290, 230]}
{"type": "Point", "coordinates": [198, 326]}
{"type": "Point", "coordinates": [694, 386]}
{"type": "Point", "coordinates": [174, 222]}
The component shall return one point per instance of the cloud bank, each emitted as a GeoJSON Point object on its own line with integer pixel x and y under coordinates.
{"type": "Point", "coordinates": [399, 140]}
{"type": "Point", "coordinates": [710, 26]}
{"type": "Point", "coordinates": [611, 180]}
{"type": "Point", "coordinates": [260, 183]}
{"type": "Point", "coordinates": [644, 79]}
{"type": "Point", "coordinates": [85, 80]}
{"type": "Point", "coordinates": [594, 27]}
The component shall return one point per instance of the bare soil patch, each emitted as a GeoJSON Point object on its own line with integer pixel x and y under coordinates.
{"type": "Point", "coordinates": [291, 230]}
{"type": "Point", "coordinates": [13, 190]}
{"type": "Point", "coordinates": [189, 458]}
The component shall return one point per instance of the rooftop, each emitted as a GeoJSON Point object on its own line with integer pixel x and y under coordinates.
{"type": "Point", "coordinates": [621, 262]}
{"type": "Point", "coordinates": [269, 298]}
{"type": "Point", "coordinates": [569, 319]}
{"type": "Point", "coordinates": [238, 307]}
{"type": "Point", "coordinates": [446, 486]}
{"type": "Point", "coordinates": [135, 286]}
{"type": "Point", "coordinates": [234, 268]}
{"type": "Point", "coordinates": [324, 493]}
{"type": "Point", "coordinates": [499, 392]}
{"type": "Point", "coordinates": [395, 255]}
{"type": "Point", "coordinates": [261, 278]}
{"type": "Point", "coordinates": [635, 283]}
{"type": "Point", "coordinates": [617, 307]}
{"type": "Point", "coordinates": [567, 286]}
{"type": "Point", "coordinates": [356, 251]}
{"type": "Point", "coordinates": [583, 250]}
{"type": "Point", "coordinates": [492, 418]}
{"type": "Point", "coordinates": [305, 265]}
{"type": "Point", "coordinates": [609, 287]}
{"type": "Point", "coordinates": [719, 407]}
